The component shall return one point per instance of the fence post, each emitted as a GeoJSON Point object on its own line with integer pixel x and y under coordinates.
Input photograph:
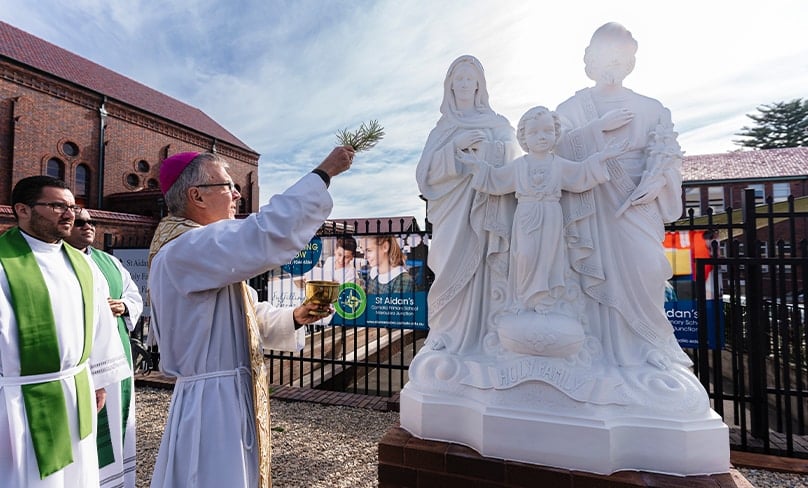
{"type": "Point", "coordinates": [757, 335]}
{"type": "Point", "coordinates": [108, 242]}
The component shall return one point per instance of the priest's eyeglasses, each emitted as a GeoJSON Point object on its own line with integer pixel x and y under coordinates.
{"type": "Point", "coordinates": [231, 187]}
{"type": "Point", "coordinates": [82, 223]}
{"type": "Point", "coordinates": [58, 207]}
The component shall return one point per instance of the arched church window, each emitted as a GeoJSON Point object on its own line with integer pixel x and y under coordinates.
{"type": "Point", "coordinates": [82, 181]}
{"type": "Point", "coordinates": [56, 168]}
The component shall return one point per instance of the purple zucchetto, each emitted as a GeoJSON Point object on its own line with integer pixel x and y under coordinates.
{"type": "Point", "coordinates": [172, 167]}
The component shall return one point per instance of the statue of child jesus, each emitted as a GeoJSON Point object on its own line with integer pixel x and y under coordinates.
{"type": "Point", "coordinates": [538, 254]}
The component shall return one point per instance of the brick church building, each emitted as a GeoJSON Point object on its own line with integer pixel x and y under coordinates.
{"type": "Point", "coordinates": [103, 134]}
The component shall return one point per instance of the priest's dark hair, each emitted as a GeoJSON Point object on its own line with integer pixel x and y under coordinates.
{"type": "Point", "coordinates": [28, 190]}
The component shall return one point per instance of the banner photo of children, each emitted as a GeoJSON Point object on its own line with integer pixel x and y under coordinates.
{"type": "Point", "coordinates": [682, 248]}
{"type": "Point", "coordinates": [383, 279]}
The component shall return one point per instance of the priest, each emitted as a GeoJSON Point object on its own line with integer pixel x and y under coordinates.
{"type": "Point", "coordinates": [209, 327]}
{"type": "Point", "coordinates": [116, 421]}
{"type": "Point", "coordinates": [58, 350]}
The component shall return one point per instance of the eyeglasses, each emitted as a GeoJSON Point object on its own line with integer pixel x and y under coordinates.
{"type": "Point", "coordinates": [231, 187]}
{"type": "Point", "coordinates": [82, 222]}
{"type": "Point", "coordinates": [58, 207]}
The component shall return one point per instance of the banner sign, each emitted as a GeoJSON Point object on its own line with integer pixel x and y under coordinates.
{"type": "Point", "coordinates": [136, 261]}
{"type": "Point", "coordinates": [684, 316]}
{"type": "Point", "coordinates": [306, 259]}
{"type": "Point", "coordinates": [383, 279]}
{"type": "Point", "coordinates": [682, 248]}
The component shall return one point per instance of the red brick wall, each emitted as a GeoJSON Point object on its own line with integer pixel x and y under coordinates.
{"type": "Point", "coordinates": [43, 125]}
{"type": "Point", "coordinates": [406, 461]}
{"type": "Point", "coordinates": [38, 114]}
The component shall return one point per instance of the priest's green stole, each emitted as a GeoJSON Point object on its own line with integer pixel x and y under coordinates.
{"type": "Point", "coordinates": [115, 283]}
{"type": "Point", "coordinates": [45, 407]}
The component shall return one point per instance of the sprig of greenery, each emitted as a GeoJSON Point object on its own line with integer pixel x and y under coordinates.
{"type": "Point", "coordinates": [364, 138]}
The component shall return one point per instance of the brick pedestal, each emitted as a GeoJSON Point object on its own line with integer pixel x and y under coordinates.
{"type": "Point", "coordinates": [407, 461]}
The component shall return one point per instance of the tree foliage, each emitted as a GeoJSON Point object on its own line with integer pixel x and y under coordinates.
{"type": "Point", "coordinates": [780, 124]}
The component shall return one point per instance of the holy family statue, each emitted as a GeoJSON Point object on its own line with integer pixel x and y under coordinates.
{"type": "Point", "coordinates": [546, 314]}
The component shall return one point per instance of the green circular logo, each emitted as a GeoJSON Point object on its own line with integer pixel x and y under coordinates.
{"type": "Point", "coordinates": [351, 302]}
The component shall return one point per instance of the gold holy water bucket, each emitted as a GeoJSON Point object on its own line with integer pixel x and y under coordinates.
{"type": "Point", "coordinates": [323, 293]}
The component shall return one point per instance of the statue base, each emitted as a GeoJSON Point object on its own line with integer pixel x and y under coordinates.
{"type": "Point", "coordinates": [599, 440]}
{"type": "Point", "coordinates": [406, 461]}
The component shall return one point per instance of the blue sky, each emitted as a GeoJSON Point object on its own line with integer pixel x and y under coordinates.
{"type": "Point", "coordinates": [284, 76]}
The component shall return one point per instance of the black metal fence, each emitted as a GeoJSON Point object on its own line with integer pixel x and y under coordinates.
{"type": "Point", "coordinates": [757, 381]}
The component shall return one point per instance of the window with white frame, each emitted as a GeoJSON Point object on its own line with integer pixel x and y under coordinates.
{"type": "Point", "coordinates": [760, 193]}
{"type": "Point", "coordinates": [693, 201]}
{"type": "Point", "coordinates": [715, 198]}
{"type": "Point", "coordinates": [781, 191]}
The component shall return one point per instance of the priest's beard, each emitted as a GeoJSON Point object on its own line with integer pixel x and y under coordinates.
{"type": "Point", "coordinates": [47, 230]}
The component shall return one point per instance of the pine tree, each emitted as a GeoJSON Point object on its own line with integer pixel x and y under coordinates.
{"type": "Point", "coordinates": [780, 124]}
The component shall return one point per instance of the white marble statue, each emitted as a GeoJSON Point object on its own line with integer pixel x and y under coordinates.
{"type": "Point", "coordinates": [471, 230]}
{"type": "Point", "coordinates": [617, 229]}
{"type": "Point", "coordinates": [541, 317]}
{"type": "Point", "coordinates": [571, 362]}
